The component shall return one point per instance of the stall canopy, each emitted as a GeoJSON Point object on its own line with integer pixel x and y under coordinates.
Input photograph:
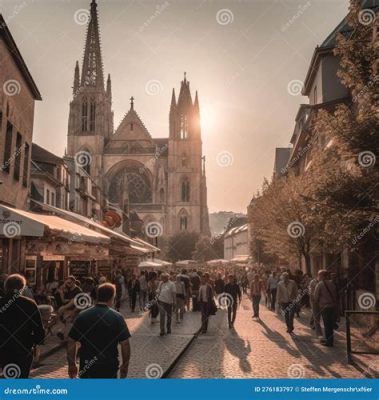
{"type": "Point", "coordinates": [17, 223]}
{"type": "Point", "coordinates": [148, 264]}
{"type": "Point", "coordinates": [241, 259]}
{"type": "Point", "coordinates": [185, 263]}
{"type": "Point", "coordinates": [220, 261]}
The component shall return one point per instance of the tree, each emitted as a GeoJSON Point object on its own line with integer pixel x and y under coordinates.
{"type": "Point", "coordinates": [182, 245]}
{"type": "Point", "coordinates": [204, 250]}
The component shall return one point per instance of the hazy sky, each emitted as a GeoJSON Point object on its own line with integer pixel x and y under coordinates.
{"type": "Point", "coordinates": [240, 54]}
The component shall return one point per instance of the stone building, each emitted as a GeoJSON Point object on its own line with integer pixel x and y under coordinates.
{"type": "Point", "coordinates": [163, 180]}
{"type": "Point", "coordinates": [18, 93]}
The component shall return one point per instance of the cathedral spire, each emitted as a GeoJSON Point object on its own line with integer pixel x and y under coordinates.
{"type": "Point", "coordinates": [173, 100]}
{"type": "Point", "coordinates": [92, 72]}
{"type": "Point", "coordinates": [184, 99]}
{"type": "Point", "coordinates": [196, 103]}
{"type": "Point", "coordinates": [76, 79]}
{"type": "Point", "coordinates": [109, 87]}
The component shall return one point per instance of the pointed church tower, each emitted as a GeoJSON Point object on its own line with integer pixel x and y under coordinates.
{"type": "Point", "coordinates": [187, 209]}
{"type": "Point", "coordinates": [91, 118]}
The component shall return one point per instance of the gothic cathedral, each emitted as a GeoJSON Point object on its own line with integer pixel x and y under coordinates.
{"type": "Point", "coordinates": [162, 180]}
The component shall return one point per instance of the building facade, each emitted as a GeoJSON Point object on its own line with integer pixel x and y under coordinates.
{"type": "Point", "coordinates": [18, 93]}
{"type": "Point", "coordinates": [163, 180]}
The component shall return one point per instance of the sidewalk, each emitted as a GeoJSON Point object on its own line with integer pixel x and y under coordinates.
{"type": "Point", "coordinates": [152, 355]}
{"type": "Point", "coordinates": [263, 349]}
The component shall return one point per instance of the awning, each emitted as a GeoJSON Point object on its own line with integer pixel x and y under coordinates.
{"type": "Point", "coordinates": [241, 259]}
{"type": "Point", "coordinates": [217, 262]}
{"type": "Point", "coordinates": [91, 223]}
{"type": "Point", "coordinates": [185, 263]}
{"type": "Point", "coordinates": [148, 264]}
{"type": "Point", "coordinates": [140, 249]}
{"type": "Point", "coordinates": [162, 262]}
{"type": "Point", "coordinates": [17, 223]}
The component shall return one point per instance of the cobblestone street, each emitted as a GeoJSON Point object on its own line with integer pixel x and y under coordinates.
{"type": "Point", "coordinates": [253, 349]}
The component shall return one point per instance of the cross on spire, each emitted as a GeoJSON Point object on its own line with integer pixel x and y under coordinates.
{"type": "Point", "coordinates": [132, 103]}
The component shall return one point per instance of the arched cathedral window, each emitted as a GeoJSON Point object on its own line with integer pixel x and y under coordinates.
{"type": "Point", "coordinates": [184, 160]}
{"type": "Point", "coordinates": [183, 220]}
{"type": "Point", "coordinates": [85, 115]}
{"type": "Point", "coordinates": [185, 190]}
{"type": "Point", "coordinates": [161, 196]}
{"type": "Point", "coordinates": [183, 127]}
{"type": "Point", "coordinates": [92, 120]}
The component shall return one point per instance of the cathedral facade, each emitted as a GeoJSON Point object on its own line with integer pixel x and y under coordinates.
{"type": "Point", "coordinates": [162, 180]}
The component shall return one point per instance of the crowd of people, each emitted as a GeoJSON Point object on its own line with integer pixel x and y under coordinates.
{"type": "Point", "coordinates": [88, 310]}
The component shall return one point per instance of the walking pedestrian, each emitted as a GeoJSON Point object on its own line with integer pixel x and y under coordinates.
{"type": "Point", "coordinates": [119, 284]}
{"type": "Point", "coordinates": [195, 286]}
{"type": "Point", "coordinates": [21, 327]}
{"type": "Point", "coordinates": [232, 289]}
{"type": "Point", "coordinates": [272, 287]}
{"type": "Point", "coordinates": [152, 287]}
{"type": "Point", "coordinates": [326, 301]}
{"type": "Point", "coordinates": [316, 314]}
{"type": "Point", "coordinates": [256, 288]}
{"type": "Point", "coordinates": [166, 296]}
{"type": "Point", "coordinates": [142, 290]}
{"type": "Point", "coordinates": [219, 284]}
{"type": "Point", "coordinates": [287, 295]}
{"type": "Point", "coordinates": [180, 299]}
{"type": "Point", "coordinates": [206, 302]}
{"type": "Point", "coordinates": [99, 330]}
{"type": "Point", "coordinates": [133, 291]}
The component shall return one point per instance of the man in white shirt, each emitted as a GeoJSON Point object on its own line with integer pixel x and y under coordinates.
{"type": "Point", "coordinates": [272, 286]}
{"type": "Point", "coordinates": [286, 295]}
{"type": "Point", "coordinates": [166, 296]}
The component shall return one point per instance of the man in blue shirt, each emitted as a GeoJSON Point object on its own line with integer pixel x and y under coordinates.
{"type": "Point", "coordinates": [99, 330]}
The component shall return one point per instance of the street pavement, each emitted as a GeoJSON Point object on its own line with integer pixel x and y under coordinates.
{"type": "Point", "coordinates": [263, 349]}
{"type": "Point", "coordinates": [253, 349]}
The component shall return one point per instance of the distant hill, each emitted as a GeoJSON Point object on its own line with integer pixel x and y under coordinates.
{"type": "Point", "coordinates": [219, 220]}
